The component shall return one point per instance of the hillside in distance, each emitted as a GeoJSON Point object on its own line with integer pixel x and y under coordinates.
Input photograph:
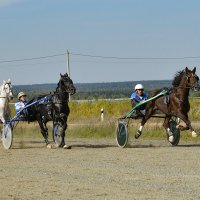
{"type": "Point", "coordinates": [107, 90]}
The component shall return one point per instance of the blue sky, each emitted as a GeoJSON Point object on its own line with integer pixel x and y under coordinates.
{"type": "Point", "coordinates": [110, 28]}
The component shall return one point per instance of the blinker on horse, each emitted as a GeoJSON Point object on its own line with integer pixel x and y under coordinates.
{"type": "Point", "coordinates": [55, 109]}
{"type": "Point", "coordinates": [6, 94]}
{"type": "Point", "coordinates": [178, 104]}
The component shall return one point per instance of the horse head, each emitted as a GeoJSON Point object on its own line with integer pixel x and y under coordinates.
{"type": "Point", "coordinates": [6, 89]}
{"type": "Point", "coordinates": [192, 79]}
{"type": "Point", "coordinates": [186, 79]}
{"type": "Point", "coordinates": [67, 84]}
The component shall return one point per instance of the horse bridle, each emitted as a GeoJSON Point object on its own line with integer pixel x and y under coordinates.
{"type": "Point", "coordinates": [66, 90]}
{"type": "Point", "coordinates": [4, 88]}
{"type": "Point", "coordinates": [9, 86]}
{"type": "Point", "coordinates": [191, 87]}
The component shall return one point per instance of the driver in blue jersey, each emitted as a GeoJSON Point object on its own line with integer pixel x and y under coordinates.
{"type": "Point", "coordinates": [137, 96]}
{"type": "Point", "coordinates": [21, 103]}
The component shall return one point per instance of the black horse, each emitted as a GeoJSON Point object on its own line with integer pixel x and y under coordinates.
{"type": "Point", "coordinates": [177, 104]}
{"type": "Point", "coordinates": [55, 109]}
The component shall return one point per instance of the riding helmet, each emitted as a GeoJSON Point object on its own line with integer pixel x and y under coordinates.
{"type": "Point", "coordinates": [20, 95]}
{"type": "Point", "coordinates": [139, 86]}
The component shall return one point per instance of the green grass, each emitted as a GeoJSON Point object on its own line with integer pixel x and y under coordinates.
{"type": "Point", "coordinates": [84, 122]}
{"type": "Point", "coordinates": [92, 132]}
{"type": "Point", "coordinates": [103, 130]}
{"type": "Point", "coordinates": [25, 130]}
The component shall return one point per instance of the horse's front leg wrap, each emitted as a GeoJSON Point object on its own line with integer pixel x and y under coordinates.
{"type": "Point", "coordinates": [188, 124]}
{"type": "Point", "coordinates": [139, 132]}
{"type": "Point", "coordinates": [44, 132]}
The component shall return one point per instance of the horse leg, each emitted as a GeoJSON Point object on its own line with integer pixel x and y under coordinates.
{"type": "Point", "coordinates": [44, 131]}
{"type": "Point", "coordinates": [2, 110]}
{"type": "Point", "coordinates": [64, 128]}
{"type": "Point", "coordinates": [188, 124]}
{"type": "Point", "coordinates": [62, 120]}
{"type": "Point", "coordinates": [148, 114]}
{"type": "Point", "coordinates": [168, 131]}
{"type": "Point", "coordinates": [63, 145]}
{"type": "Point", "coordinates": [2, 119]}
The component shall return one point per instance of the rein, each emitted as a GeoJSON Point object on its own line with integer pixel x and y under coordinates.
{"type": "Point", "coordinates": [184, 87]}
{"type": "Point", "coordinates": [61, 92]}
{"type": "Point", "coordinates": [56, 96]}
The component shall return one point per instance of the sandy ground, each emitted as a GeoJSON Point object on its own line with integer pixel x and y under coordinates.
{"type": "Point", "coordinates": [98, 169]}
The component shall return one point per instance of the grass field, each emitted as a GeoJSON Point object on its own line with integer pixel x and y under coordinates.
{"type": "Point", "coordinates": [84, 121]}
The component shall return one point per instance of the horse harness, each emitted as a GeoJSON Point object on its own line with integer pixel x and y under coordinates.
{"type": "Point", "coordinates": [51, 101]}
{"type": "Point", "coordinates": [166, 99]}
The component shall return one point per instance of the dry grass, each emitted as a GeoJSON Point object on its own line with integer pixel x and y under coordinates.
{"type": "Point", "coordinates": [84, 121]}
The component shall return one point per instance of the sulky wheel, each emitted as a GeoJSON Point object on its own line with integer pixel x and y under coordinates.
{"type": "Point", "coordinates": [122, 134]}
{"type": "Point", "coordinates": [175, 131]}
{"type": "Point", "coordinates": [7, 136]}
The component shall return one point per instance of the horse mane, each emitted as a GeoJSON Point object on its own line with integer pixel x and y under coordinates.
{"type": "Point", "coordinates": [58, 85]}
{"type": "Point", "coordinates": [177, 78]}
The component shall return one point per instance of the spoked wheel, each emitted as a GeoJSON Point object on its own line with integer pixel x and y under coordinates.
{"type": "Point", "coordinates": [7, 136]}
{"type": "Point", "coordinates": [122, 134]}
{"type": "Point", "coordinates": [175, 131]}
{"type": "Point", "coordinates": [57, 134]}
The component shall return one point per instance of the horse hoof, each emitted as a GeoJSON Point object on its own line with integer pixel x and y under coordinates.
{"type": "Point", "coordinates": [171, 138]}
{"type": "Point", "coordinates": [137, 135]}
{"type": "Point", "coordinates": [66, 147]}
{"type": "Point", "coordinates": [49, 146]}
{"type": "Point", "coordinates": [194, 134]}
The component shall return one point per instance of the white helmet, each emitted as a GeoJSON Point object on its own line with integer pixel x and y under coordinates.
{"type": "Point", "coordinates": [139, 86]}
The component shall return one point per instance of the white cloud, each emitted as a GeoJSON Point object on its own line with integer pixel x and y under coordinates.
{"type": "Point", "coordinates": [8, 2]}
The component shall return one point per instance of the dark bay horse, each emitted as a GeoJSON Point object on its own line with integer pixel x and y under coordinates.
{"type": "Point", "coordinates": [177, 105]}
{"type": "Point", "coordinates": [55, 109]}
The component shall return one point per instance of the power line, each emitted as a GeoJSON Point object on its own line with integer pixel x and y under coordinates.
{"type": "Point", "coordinates": [34, 58]}
{"type": "Point", "coordinates": [128, 62]}
{"type": "Point", "coordinates": [99, 56]}
{"type": "Point", "coordinates": [135, 58]}
{"type": "Point", "coordinates": [35, 64]}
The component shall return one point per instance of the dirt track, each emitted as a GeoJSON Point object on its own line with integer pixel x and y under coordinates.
{"type": "Point", "coordinates": [97, 169]}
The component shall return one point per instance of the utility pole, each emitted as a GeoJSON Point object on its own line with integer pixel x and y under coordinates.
{"type": "Point", "coordinates": [68, 69]}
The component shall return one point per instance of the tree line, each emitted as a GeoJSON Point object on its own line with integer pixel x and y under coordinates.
{"type": "Point", "coordinates": [111, 90]}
